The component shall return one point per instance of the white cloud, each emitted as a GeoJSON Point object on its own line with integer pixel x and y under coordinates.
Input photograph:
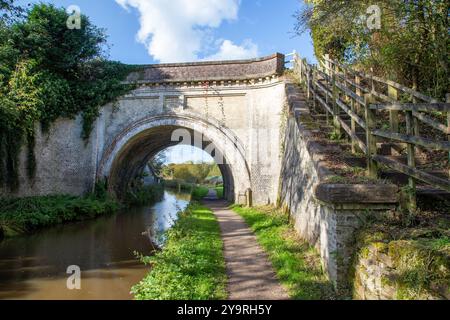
{"type": "Point", "coordinates": [229, 51]}
{"type": "Point", "coordinates": [179, 30]}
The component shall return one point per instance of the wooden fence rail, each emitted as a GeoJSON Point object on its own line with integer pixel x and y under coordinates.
{"type": "Point", "coordinates": [367, 101]}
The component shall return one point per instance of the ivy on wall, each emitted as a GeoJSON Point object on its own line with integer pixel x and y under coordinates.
{"type": "Point", "coordinates": [48, 71]}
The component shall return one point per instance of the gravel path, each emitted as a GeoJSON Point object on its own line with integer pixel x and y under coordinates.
{"type": "Point", "coordinates": [250, 273]}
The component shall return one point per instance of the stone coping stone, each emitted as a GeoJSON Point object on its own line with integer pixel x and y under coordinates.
{"type": "Point", "coordinates": [210, 70]}
{"type": "Point", "coordinates": [357, 193]}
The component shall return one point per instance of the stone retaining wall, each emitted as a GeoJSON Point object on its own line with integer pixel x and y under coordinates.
{"type": "Point", "coordinates": [380, 267]}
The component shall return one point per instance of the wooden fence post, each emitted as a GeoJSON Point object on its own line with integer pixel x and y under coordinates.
{"type": "Point", "coordinates": [411, 162]}
{"type": "Point", "coordinates": [393, 114]}
{"type": "Point", "coordinates": [300, 64]}
{"type": "Point", "coordinates": [352, 107]}
{"type": "Point", "coordinates": [308, 81]}
{"type": "Point", "coordinates": [359, 93]}
{"type": "Point", "coordinates": [249, 197]}
{"type": "Point", "coordinates": [327, 64]}
{"type": "Point", "coordinates": [353, 126]}
{"type": "Point", "coordinates": [314, 89]}
{"type": "Point", "coordinates": [372, 167]}
{"type": "Point", "coordinates": [416, 129]}
{"type": "Point", "coordinates": [335, 107]}
{"type": "Point", "coordinates": [328, 81]}
{"type": "Point", "coordinates": [447, 100]}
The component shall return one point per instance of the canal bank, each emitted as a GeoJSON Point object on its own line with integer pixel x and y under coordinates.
{"type": "Point", "coordinates": [34, 266]}
{"type": "Point", "coordinates": [191, 266]}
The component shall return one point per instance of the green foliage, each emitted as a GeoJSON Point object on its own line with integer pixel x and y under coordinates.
{"type": "Point", "coordinates": [176, 184]}
{"type": "Point", "coordinates": [25, 215]}
{"type": "Point", "coordinates": [410, 48]}
{"type": "Point", "coordinates": [418, 268]}
{"type": "Point", "coordinates": [144, 195]}
{"type": "Point", "coordinates": [191, 266]}
{"type": "Point", "coordinates": [296, 263]}
{"type": "Point", "coordinates": [48, 71]}
{"type": "Point", "coordinates": [199, 192]}
{"type": "Point", "coordinates": [191, 172]}
{"type": "Point", "coordinates": [215, 171]}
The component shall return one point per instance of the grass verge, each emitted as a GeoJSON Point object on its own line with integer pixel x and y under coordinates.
{"type": "Point", "coordinates": [296, 264]}
{"type": "Point", "coordinates": [191, 266]}
{"type": "Point", "coordinates": [25, 215]}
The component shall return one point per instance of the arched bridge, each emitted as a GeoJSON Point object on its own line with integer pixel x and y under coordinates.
{"type": "Point", "coordinates": [231, 109]}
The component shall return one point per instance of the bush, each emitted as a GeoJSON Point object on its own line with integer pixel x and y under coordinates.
{"type": "Point", "coordinates": [145, 195]}
{"type": "Point", "coordinates": [25, 215]}
{"type": "Point", "coordinates": [198, 193]}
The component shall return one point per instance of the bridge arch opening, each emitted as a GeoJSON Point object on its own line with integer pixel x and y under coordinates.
{"type": "Point", "coordinates": [132, 149]}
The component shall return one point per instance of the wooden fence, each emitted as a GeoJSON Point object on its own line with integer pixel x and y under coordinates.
{"type": "Point", "coordinates": [367, 102]}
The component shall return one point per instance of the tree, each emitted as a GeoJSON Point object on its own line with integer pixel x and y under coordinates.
{"type": "Point", "coordinates": [9, 11]}
{"type": "Point", "coordinates": [201, 171]}
{"type": "Point", "coordinates": [411, 47]}
{"type": "Point", "coordinates": [157, 163]}
{"type": "Point", "coordinates": [48, 71]}
{"type": "Point", "coordinates": [183, 172]}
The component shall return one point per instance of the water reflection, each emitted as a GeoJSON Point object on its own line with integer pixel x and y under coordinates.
{"type": "Point", "coordinates": [165, 217]}
{"type": "Point", "coordinates": [34, 267]}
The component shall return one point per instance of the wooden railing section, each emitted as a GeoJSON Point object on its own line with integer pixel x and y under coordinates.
{"type": "Point", "coordinates": [365, 101]}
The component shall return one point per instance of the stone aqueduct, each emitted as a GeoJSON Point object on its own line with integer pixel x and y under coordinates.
{"type": "Point", "coordinates": [250, 115]}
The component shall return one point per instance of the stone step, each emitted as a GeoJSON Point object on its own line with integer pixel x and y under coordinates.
{"type": "Point", "coordinates": [360, 162]}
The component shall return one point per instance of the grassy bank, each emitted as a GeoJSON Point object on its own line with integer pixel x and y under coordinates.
{"type": "Point", "coordinates": [297, 264]}
{"type": "Point", "coordinates": [25, 215]}
{"type": "Point", "coordinates": [191, 266]}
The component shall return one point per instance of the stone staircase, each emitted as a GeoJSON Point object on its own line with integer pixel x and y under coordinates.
{"type": "Point", "coordinates": [322, 125]}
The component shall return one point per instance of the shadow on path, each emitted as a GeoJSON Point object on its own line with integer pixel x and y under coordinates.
{"type": "Point", "coordinates": [250, 273]}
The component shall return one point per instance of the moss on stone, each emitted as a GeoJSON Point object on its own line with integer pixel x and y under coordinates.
{"type": "Point", "coordinates": [381, 247]}
{"type": "Point", "coordinates": [417, 267]}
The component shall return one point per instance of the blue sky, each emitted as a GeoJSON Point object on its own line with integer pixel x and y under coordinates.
{"type": "Point", "coordinates": [264, 25]}
{"type": "Point", "coordinates": [155, 31]}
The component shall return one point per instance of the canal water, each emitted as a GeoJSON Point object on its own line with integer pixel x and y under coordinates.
{"type": "Point", "coordinates": [35, 266]}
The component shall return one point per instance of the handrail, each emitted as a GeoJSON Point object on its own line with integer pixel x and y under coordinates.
{"type": "Point", "coordinates": [396, 85]}
{"type": "Point", "coordinates": [366, 99]}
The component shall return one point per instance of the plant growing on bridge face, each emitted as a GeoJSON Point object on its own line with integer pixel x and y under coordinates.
{"type": "Point", "coordinates": [48, 71]}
